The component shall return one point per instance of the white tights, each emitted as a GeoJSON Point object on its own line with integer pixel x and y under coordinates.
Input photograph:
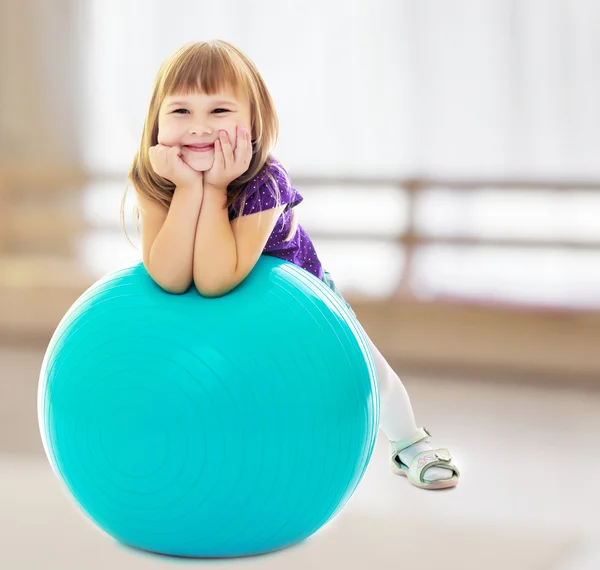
{"type": "Point", "coordinates": [397, 418]}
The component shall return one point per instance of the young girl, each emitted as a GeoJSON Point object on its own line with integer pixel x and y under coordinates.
{"type": "Point", "coordinates": [213, 200]}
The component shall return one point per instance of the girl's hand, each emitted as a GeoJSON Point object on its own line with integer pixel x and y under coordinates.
{"type": "Point", "coordinates": [229, 164]}
{"type": "Point", "coordinates": [167, 162]}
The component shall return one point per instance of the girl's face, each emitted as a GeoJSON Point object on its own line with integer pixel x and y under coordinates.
{"type": "Point", "coordinates": [193, 122]}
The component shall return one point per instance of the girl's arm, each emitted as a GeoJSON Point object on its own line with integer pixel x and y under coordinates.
{"type": "Point", "coordinates": [225, 252]}
{"type": "Point", "coordinates": [168, 237]}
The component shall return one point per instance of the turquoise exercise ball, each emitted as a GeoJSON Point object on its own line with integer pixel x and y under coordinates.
{"type": "Point", "coordinates": [209, 427]}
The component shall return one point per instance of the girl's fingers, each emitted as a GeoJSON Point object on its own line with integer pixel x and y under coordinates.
{"type": "Point", "coordinates": [226, 149]}
{"type": "Point", "coordinates": [243, 151]}
{"type": "Point", "coordinates": [219, 158]}
{"type": "Point", "coordinates": [248, 146]}
{"type": "Point", "coordinates": [172, 155]}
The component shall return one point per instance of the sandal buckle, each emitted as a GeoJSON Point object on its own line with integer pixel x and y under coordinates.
{"type": "Point", "coordinates": [443, 454]}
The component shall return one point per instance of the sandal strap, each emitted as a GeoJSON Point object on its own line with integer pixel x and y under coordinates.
{"type": "Point", "coordinates": [435, 457]}
{"type": "Point", "coordinates": [401, 445]}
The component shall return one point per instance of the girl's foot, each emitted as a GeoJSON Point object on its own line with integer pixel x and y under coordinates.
{"type": "Point", "coordinates": [424, 466]}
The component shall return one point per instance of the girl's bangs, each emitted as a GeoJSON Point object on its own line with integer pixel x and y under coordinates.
{"type": "Point", "coordinates": [204, 70]}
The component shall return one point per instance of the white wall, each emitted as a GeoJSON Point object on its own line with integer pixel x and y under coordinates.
{"type": "Point", "coordinates": [464, 87]}
{"type": "Point", "coordinates": [334, 69]}
{"type": "Point", "coordinates": [507, 87]}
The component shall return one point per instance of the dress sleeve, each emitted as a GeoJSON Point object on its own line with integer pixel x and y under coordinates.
{"type": "Point", "coordinates": [270, 189]}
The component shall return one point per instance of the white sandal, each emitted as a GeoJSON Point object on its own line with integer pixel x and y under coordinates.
{"type": "Point", "coordinates": [422, 462]}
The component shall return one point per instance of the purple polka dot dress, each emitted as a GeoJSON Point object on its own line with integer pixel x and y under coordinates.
{"type": "Point", "coordinates": [272, 188]}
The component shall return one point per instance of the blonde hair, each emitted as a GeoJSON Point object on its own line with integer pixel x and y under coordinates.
{"type": "Point", "coordinates": [208, 67]}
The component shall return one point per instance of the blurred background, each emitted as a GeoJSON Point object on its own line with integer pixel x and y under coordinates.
{"type": "Point", "coordinates": [448, 155]}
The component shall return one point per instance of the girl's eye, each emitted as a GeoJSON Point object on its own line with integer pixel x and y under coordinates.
{"type": "Point", "coordinates": [216, 111]}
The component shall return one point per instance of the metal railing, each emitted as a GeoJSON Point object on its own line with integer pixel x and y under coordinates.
{"type": "Point", "coordinates": [410, 239]}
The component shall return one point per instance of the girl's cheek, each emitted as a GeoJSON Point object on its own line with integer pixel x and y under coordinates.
{"type": "Point", "coordinates": [161, 133]}
{"type": "Point", "coordinates": [165, 135]}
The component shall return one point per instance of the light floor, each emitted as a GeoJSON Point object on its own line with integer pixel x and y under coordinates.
{"type": "Point", "coordinates": [528, 499]}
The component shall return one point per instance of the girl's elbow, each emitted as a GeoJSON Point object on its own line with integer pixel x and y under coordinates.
{"type": "Point", "coordinates": [210, 291]}
{"type": "Point", "coordinates": [176, 289]}
{"type": "Point", "coordinates": [211, 288]}
{"type": "Point", "coordinates": [170, 285]}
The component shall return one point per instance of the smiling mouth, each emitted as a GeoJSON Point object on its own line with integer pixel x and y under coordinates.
{"type": "Point", "coordinates": [200, 147]}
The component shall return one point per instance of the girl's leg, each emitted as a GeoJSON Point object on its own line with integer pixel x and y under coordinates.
{"type": "Point", "coordinates": [397, 418]}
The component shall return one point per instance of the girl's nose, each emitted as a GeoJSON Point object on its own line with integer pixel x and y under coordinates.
{"type": "Point", "coordinates": [200, 129]}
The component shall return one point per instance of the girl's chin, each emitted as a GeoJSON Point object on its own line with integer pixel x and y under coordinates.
{"type": "Point", "coordinates": [200, 165]}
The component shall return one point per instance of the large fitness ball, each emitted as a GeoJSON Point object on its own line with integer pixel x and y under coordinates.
{"type": "Point", "coordinates": [207, 427]}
